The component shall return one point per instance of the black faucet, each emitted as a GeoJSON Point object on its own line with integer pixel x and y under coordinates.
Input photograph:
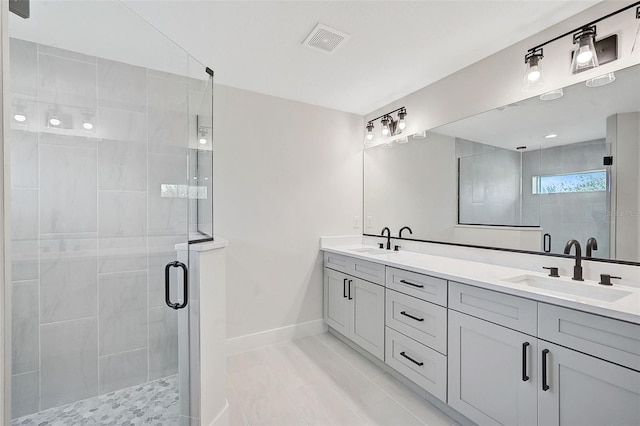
{"type": "Point", "coordinates": [577, 269]}
{"type": "Point", "coordinates": [402, 229]}
{"type": "Point", "coordinates": [592, 244]}
{"type": "Point", "coordinates": [388, 236]}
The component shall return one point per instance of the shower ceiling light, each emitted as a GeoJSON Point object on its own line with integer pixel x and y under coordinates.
{"type": "Point", "coordinates": [533, 76]}
{"type": "Point", "coordinates": [390, 126]}
{"type": "Point", "coordinates": [584, 54]}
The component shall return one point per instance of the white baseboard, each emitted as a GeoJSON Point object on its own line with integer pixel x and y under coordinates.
{"type": "Point", "coordinates": [277, 335]}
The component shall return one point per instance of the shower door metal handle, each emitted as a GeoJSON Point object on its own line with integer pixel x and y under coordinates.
{"type": "Point", "coordinates": [167, 285]}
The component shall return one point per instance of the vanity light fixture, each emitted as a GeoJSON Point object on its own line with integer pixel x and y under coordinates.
{"type": "Point", "coordinates": [369, 131]}
{"type": "Point", "coordinates": [554, 94]}
{"type": "Point", "coordinates": [20, 115]}
{"type": "Point", "coordinates": [390, 126]}
{"type": "Point", "coordinates": [401, 115]}
{"type": "Point", "coordinates": [202, 136]}
{"type": "Point", "coordinates": [533, 76]}
{"type": "Point", "coordinates": [587, 54]}
{"type": "Point", "coordinates": [53, 119]}
{"type": "Point", "coordinates": [635, 50]}
{"type": "Point", "coordinates": [87, 121]}
{"type": "Point", "coordinates": [584, 55]}
{"type": "Point", "coordinates": [385, 125]}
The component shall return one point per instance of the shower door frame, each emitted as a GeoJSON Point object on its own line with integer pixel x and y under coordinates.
{"type": "Point", "coordinates": [5, 264]}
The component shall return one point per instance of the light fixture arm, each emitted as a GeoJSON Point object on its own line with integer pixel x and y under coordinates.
{"type": "Point", "coordinates": [388, 113]}
{"type": "Point", "coordinates": [590, 24]}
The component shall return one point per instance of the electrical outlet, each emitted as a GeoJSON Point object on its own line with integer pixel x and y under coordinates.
{"type": "Point", "coordinates": [369, 221]}
{"type": "Point", "coordinates": [356, 221]}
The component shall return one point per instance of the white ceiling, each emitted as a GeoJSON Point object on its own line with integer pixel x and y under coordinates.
{"type": "Point", "coordinates": [395, 48]}
{"type": "Point", "coordinates": [578, 116]}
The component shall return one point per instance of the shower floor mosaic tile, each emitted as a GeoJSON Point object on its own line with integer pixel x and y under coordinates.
{"type": "Point", "coordinates": [153, 403]}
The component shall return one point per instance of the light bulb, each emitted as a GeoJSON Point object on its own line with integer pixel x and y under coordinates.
{"type": "Point", "coordinates": [369, 136]}
{"type": "Point", "coordinates": [385, 125]}
{"type": "Point", "coordinates": [87, 125]}
{"type": "Point", "coordinates": [584, 55]}
{"type": "Point", "coordinates": [55, 121]}
{"type": "Point", "coordinates": [534, 74]}
{"type": "Point", "coordinates": [401, 115]}
{"type": "Point", "coordinates": [20, 118]}
{"type": "Point", "coordinates": [203, 141]}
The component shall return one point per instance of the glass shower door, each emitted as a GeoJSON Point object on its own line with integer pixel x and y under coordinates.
{"type": "Point", "coordinates": [100, 131]}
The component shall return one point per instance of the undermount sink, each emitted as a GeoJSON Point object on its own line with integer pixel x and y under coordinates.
{"type": "Point", "coordinates": [586, 289]}
{"type": "Point", "coordinates": [371, 250]}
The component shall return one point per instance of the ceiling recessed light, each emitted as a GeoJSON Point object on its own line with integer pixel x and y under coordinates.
{"type": "Point", "coordinates": [554, 94]}
{"type": "Point", "coordinates": [551, 135]}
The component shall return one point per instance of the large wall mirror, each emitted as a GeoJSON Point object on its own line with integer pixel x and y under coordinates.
{"type": "Point", "coordinates": [527, 176]}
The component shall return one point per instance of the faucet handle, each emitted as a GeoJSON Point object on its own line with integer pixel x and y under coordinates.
{"type": "Point", "coordinates": [605, 279]}
{"type": "Point", "coordinates": [381, 245]}
{"type": "Point", "coordinates": [396, 248]}
{"type": "Point", "coordinates": [553, 271]}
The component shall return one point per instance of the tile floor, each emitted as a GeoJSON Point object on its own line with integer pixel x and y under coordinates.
{"type": "Point", "coordinates": [154, 403]}
{"type": "Point", "coordinates": [319, 380]}
{"type": "Point", "coordinates": [316, 380]}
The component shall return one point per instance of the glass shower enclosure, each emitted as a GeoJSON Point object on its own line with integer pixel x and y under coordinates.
{"type": "Point", "coordinates": [111, 173]}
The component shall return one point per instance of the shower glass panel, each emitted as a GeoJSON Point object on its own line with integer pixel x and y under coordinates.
{"type": "Point", "coordinates": [102, 129]}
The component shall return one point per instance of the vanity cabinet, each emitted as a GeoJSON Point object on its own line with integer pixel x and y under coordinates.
{"type": "Point", "coordinates": [492, 372]}
{"type": "Point", "coordinates": [582, 390]}
{"type": "Point", "coordinates": [501, 375]}
{"type": "Point", "coordinates": [355, 308]}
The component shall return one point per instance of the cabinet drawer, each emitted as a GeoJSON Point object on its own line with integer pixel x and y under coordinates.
{"type": "Point", "coordinates": [420, 364]}
{"type": "Point", "coordinates": [423, 287]}
{"type": "Point", "coordinates": [420, 320]}
{"type": "Point", "coordinates": [509, 311]}
{"type": "Point", "coordinates": [373, 272]}
{"type": "Point", "coordinates": [606, 338]}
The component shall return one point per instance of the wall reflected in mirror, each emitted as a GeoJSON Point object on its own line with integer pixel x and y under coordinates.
{"type": "Point", "coordinates": [528, 176]}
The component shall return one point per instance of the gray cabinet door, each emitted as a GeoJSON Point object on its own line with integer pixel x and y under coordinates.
{"type": "Point", "coordinates": [486, 372]}
{"type": "Point", "coordinates": [367, 316]}
{"type": "Point", "coordinates": [336, 300]}
{"type": "Point", "coordinates": [583, 390]}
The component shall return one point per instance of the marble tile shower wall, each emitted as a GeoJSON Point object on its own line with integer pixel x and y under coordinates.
{"type": "Point", "coordinates": [91, 233]}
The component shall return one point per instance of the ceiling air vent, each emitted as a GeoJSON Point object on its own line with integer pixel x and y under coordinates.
{"type": "Point", "coordinates": [325, 39]}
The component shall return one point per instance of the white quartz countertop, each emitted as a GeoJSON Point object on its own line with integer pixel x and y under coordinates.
{"type": "Point", "coordinates": [495, 277]}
